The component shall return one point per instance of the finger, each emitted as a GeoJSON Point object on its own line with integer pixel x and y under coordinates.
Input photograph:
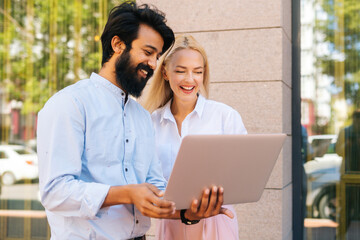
{"type": "Point", "coordinates": [162, 202]}
{"type": "Point", "coordinates": [220, 199]}
{"type": "Point", "coordinates": [227, 212]}
{"type": "Point", "coordinates": [152, 201]}
{"type": "Point", "coordinates": [212, 202]}
{"type": "Point", "coordinates": [149, 213]}
{"type": "Point", "coordinates": [155, 190]}
{"type": "Point", "coordinates": [204, 201]}
{"type": "Point", "coordinates": [194, 206]}
{"type": "Point", "coordinates": [152, 210]}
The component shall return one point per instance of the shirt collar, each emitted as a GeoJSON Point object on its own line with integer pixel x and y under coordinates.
{"type": "Point", "coordinates": [166, 112]}
{"type": "Point", "coordinates": [108, 85]}
{"type": "Point", "coordinates": [199, 108]}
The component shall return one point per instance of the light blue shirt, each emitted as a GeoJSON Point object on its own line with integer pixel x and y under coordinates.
{"type": "Point", "coordinates": [88, 140]}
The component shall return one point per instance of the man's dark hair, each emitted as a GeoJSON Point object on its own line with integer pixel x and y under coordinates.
{"type": "Point", "coordinates": [124, 21]}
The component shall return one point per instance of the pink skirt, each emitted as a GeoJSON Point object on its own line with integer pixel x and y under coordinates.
{"type": "Point", "coordinates": [219, 227]}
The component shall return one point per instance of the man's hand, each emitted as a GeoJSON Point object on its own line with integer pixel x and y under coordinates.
{"type": "Point", "coordinates": [146, 198]}
{"type": "Point", "coordinates": [210, 205]}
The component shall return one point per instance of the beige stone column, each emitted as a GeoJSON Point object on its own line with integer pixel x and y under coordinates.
{"type": "Point", "coordinates": [248, 43]}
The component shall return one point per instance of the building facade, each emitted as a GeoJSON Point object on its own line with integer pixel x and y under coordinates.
{"type": "Point", "coordinates": [249, 49]}
{"type": "Point", "coordinates": [304, 85]}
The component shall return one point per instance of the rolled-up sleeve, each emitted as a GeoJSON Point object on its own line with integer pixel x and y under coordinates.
{"type": "Point", "coordinates": [60, 136]}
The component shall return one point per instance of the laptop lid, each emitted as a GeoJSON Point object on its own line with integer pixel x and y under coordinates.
{"type": "Point", "coordinates": [241, 164]}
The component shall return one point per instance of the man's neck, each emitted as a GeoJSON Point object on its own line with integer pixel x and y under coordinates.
{"type": "Point", "coordinates": [108, 75]}
{"type": "Point", "coordinates": [107, 71]}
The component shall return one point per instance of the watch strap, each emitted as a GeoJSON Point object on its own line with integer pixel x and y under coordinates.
{"type": "Point", "coordinates": [185, 220]}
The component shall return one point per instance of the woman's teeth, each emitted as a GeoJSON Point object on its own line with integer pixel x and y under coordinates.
{"type": "Point", "coordinates": [187, 88]}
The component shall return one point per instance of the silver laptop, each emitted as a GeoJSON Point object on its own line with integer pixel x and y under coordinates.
{"type": "Point", "coordinates": [241, 164]}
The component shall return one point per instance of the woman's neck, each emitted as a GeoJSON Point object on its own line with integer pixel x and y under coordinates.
{"type": "Point", "coordinates": [180, 110]}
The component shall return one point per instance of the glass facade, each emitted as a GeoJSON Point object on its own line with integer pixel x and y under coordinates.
{"type": "Point", "coordinates": [45, 45]}
{"type": "Point", "coordinates": [330, 109]}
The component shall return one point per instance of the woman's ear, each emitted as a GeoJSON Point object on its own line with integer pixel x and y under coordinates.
{"type": "Point", "coordinates": [117, 45]}
{"type": "Point", "coordinates": [163, 71]}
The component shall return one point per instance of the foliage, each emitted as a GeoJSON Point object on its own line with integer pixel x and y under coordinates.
{"type": "Point", "coordinates": [340, 30]}
{"type": "Point", "coordinates": [46, 45]}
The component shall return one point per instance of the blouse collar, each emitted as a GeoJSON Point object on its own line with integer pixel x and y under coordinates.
{"type": "Point", "coordinates": [167, 114]}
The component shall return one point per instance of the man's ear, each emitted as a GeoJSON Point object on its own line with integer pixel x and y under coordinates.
{"type": "Point", "coordinates": [117, 45]}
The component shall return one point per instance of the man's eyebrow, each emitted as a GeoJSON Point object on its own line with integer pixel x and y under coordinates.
{"type": "Point", "coordinates": [152, 47]}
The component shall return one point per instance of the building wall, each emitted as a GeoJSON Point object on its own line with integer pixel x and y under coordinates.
{"type": "Point", "coordinates": [248, 43]}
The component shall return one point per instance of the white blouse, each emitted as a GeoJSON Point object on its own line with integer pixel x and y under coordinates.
{"type": "Point", "coordinates": [208, 117]}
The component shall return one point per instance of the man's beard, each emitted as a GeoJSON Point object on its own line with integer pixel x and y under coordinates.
{"type": "Point", "coordinates": [127, 75]}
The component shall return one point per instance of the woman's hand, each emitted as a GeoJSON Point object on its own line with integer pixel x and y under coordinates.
{"type": "Point", "coordinates": [210, 205]}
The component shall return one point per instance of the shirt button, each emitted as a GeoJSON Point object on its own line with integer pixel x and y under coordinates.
{"type": "Point", "coordinates": [137, 221]}
{"type": "Point", "coordinates": [124, 114]}
{"type": "Point", "coordinates": [126, 169]}
{"type": "Point", "coordinates": [127, 140]}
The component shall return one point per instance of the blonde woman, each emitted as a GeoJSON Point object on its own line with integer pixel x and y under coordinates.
{"type": "Point", "coordinates": [177, 98]}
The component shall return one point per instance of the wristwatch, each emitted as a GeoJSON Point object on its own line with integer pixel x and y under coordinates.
{"type": "Point", "coordinates": [186, 221]}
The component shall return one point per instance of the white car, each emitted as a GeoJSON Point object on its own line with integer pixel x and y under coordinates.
{"type": "Point", "coordinates": [323, 173]}
{"type": "Point", "coordinates": [17, 163]}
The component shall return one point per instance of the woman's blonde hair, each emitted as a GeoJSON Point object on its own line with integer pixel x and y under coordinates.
{"type": "Point", "coordinates": [159, 91]}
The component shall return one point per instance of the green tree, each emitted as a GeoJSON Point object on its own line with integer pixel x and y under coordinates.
{"type": "Point", "coordinates": [46, 45]}
{"type": "Point", "coordinates": [341, 32]}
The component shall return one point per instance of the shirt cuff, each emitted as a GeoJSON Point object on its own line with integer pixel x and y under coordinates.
{"type": "Point", "coordinates": [94, 197]}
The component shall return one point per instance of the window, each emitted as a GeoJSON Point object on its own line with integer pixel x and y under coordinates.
{"type": "Point", "coordinates": [331, 118]}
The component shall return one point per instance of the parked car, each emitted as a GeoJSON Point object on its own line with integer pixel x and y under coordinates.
{"type": "Point", "coordinates": [17, 163]}
{"type": "Point", "coordinates": [323, 173]}
{"type": "Point", "coordinates": [32, 144]}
